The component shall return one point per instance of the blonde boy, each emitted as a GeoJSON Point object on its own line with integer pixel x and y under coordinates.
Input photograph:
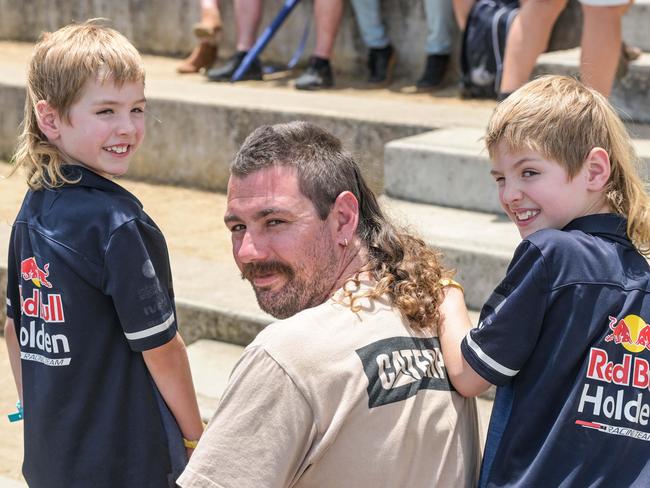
{"type": "Point", "coordinates": [100, 368]}
{"type": "Point", "coordinates": [564, 335]}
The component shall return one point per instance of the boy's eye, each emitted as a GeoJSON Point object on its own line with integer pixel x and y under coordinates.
{"type": "Point", "coordinates": [138, 110]}
{"type": "Point", "coordinates": [528, 173]}
{"type": "Point", "coordinates": [499, 179]}
{"type": "Point", "coordinates": [105, 111]}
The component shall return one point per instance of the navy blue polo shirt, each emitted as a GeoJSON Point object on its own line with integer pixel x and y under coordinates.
{"type": "Point", "coordinates": [89, 288]}
{"type": "Point", "coordinates": [565, 336]}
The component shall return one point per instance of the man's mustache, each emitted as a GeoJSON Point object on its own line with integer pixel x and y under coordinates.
{"type": "Point", "coordinates": [253, 270]}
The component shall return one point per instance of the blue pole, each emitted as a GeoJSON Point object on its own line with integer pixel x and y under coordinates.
{"type": "Point", "coordinates": [264, 39]}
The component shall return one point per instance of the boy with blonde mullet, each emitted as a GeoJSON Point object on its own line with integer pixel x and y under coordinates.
{"type": "Point", "coordinates": [566, 335]}
{"type": "Point", "coordinates": [100, 369]}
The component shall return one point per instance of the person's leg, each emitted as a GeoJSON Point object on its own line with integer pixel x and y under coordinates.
{"type": "Point", "coordinates": [327, 18]}
{"type": "Point", "coordinates": [206, 31]}
{"type": "Point", "coordinates": [461, 11]}
{"type": "Point", "coordinates": [370, 22]}
{"type": "Point", "coordinates": [527, 39]}
{"type": "Point", "coordinates": [381, 55]}
{"type": "Point", "coordinates": [248, 15]}
{"type": "Point", "coordinates": [601, 46]}
{"type": "Point", "coordinates": [441, 30]}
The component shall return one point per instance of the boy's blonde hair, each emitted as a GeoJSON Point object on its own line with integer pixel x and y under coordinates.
{"type": "Point", "coordinates": [563, 120]}
{"type": "Point", "coordinates": [62, 63]}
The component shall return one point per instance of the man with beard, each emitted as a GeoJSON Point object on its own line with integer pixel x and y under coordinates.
{"type": "Point", "coordinates": [349, 388]}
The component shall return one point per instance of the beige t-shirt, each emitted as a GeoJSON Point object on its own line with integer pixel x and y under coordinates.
{"type": "Point", "coordinates": [333, 398]}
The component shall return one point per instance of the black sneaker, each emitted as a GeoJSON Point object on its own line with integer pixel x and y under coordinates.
{"type": "Point", "coordinates": [434, 71]}
{"type": "Point", "coordinates": [318, 75]}
{"type": "Point", "coordinates": [381, 63]}
{"type": "Point", "coordinates": [225, 71]}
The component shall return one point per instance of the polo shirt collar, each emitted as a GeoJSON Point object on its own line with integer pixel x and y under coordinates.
{"type": "Point", "coordinates": [611, 226]}
{"type": "Point", "coordinates": [90, 179]}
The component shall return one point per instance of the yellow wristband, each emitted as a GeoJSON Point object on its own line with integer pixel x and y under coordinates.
{"type": "Point", "coordinates": [190, 444]}
{"type": "Point", "coordinates": [449, 282]}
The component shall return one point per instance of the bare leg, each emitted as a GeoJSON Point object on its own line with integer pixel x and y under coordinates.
{"type": "Point", "coordinates": [327, 17]}
{"type": "Point", "coordinates": [461, 11]}
{"type": "Point", "coordinates": [248, 15]}
{"type": "Point", "coordinates": [527, 39]}
{"type": "Point", "coordinates": [210, 13]}
{"type": "Point", "coordinates": [601, 46]}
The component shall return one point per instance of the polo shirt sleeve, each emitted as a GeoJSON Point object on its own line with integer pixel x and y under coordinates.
{"type": "Point", "coordinates": [511, 319]}
{"type": "Point", "coordinates": [260, 434]}
{"type": "Point", "coordinates": [13, 295]}
{"type": "Point", "coordinates": [137, 277]}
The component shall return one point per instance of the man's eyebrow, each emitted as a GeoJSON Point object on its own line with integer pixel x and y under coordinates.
{"type": "Point", "coordinates": [258, 215]}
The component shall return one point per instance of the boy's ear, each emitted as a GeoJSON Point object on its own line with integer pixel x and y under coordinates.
{"type": "Point", "coordinates": [598, 169]}
{"type": "Point", "coordinates": [48, 120]}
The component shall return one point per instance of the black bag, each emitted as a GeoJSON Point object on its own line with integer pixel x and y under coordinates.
{"type": "Point", "coordinates": [484, 42]}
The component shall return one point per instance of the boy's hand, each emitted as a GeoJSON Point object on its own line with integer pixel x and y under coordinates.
{"type": "Point", "coordinates": [454, 326]}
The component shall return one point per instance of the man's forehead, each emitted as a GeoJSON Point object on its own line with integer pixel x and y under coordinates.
{"type": "Point", "coordinates": [274, 188]}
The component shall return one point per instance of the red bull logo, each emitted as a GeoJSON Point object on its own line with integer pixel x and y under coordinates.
{"type": "Point", "coordinates": [631, 332]}
{"type": "Point", "coordinates": [29, 270]}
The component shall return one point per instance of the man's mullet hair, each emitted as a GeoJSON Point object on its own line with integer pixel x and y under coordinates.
{"type": "Point", "coordinates": [402, 266]}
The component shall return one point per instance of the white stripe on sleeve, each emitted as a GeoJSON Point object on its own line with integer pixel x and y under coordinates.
{"type": "Point", "coordinates": [488, 360]}
{"type": "Point", "coordinates": [132, 336]}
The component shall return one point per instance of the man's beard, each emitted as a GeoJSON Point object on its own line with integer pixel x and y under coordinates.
{"type": "Point", "coordinates": [300, 291]}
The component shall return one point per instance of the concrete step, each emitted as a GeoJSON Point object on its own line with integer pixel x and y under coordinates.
{"type": "Point", "coordinates": [635, 25]}
{"type": "Point", "coordinates": [211, 363]}
{"type": "Point", "coordinates": [195, 127]}
{"type": "Point", "coordinates": [450, 167]}
{"type": "Point", "coordinates": [630, 94]}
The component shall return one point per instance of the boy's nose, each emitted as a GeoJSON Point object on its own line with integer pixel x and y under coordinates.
{"type": "Point", "coordinates": [510, 193]}
{"type": "Point", "coordinates": [126, 126]}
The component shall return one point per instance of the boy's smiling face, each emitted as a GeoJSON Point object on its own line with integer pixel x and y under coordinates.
{"type": "Point", "coordinates": [105, 126]}
{"type": "Point", "coordinates": [537, 193]}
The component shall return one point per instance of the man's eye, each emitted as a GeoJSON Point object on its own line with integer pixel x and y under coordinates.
{"type": "Point", "coordinates": [274, 222]}
{"type": "Point", "coordinates": [138, 110]}
{"type": "Point", "coordinates": [529, 172]}
{"type": "Point", "coordinates": [105, 111]}
{"type": "Point", "coordinates": [499, 180]}
{"type": "Point", "coordinates": [237, 228]}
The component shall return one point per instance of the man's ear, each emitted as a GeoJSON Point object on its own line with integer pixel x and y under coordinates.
{"type": "Point", "coordinates": [598, 168]}
{"type": "Point", "coordinates": [48, 120]}
{"type": "Point", "coordinates": [345, 213]}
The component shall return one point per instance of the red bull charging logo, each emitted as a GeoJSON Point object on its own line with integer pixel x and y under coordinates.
{"type": "Point", "coordinates": [29, 270]}
{"type": "Point", "coordinates": [630, 332]}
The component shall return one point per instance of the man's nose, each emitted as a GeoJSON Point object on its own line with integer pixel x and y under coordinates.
{"type": "Point", "coordinates": [251, 248]}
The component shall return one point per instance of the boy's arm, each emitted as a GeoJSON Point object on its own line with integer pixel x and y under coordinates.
{"type": "Point", "coordinates": [170, 369]}
{"type": "Point", "coordinates": [454, 326]}
{"type": "Point", "coordinates": [14, 356]}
